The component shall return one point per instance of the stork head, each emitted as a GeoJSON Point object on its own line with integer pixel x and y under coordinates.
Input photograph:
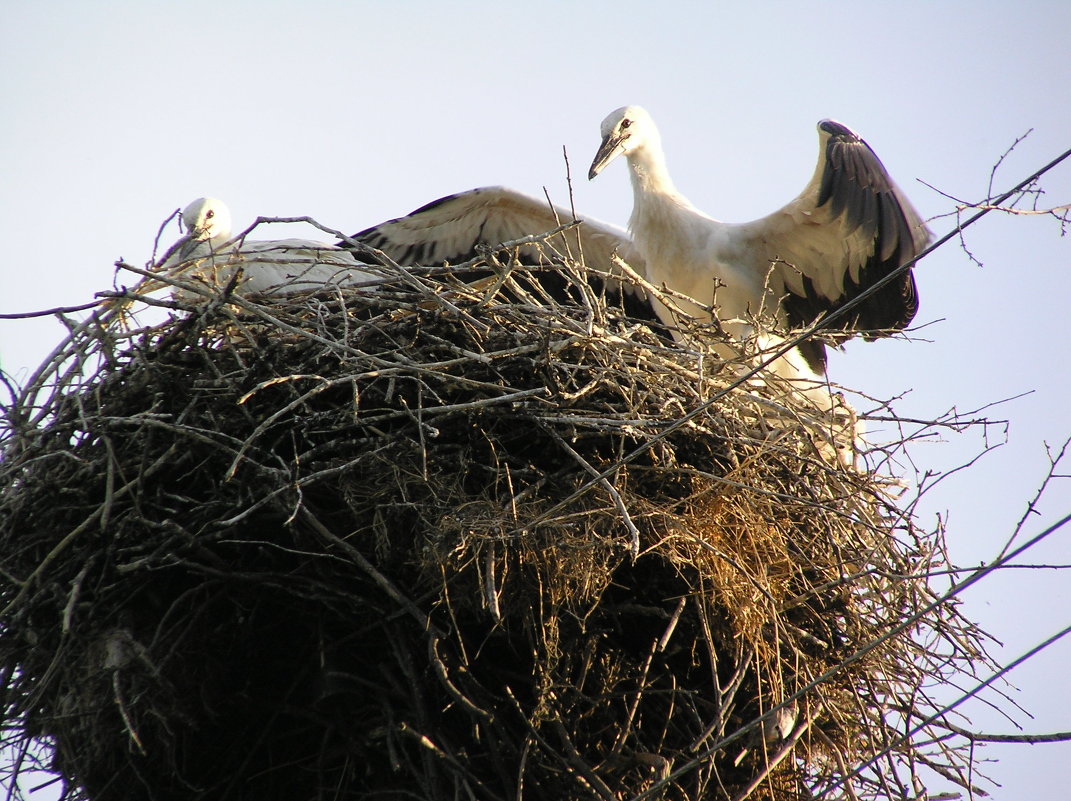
{"type": "Point", "coordinates": [625, 130]}
{"type": "Point", "coordinates": [207, 218]}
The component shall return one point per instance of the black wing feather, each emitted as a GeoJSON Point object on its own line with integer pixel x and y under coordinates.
{"type": "Point", "coordinates": [857, 189]}
{"type": "Point", "coordinates": [551, 280]}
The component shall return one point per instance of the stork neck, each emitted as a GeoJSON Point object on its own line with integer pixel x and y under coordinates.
{"type": "Point", "coordinates": [647, 166]}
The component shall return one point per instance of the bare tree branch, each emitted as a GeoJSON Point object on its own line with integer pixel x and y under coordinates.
{"type": "Point", "coordinates": [50, 312]}
{"type": "Point", "coordinates": [980, 737]}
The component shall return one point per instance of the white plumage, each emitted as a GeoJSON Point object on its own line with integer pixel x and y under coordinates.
{"type": "Point", "coordinates": [849, 227]}
{"type": "Point", "coordinates": [274, 267]}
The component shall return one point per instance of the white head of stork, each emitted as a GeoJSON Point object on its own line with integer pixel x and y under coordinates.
{"type": "Point", "coordinates": [207, 220]}
{"type": "Point", "coordinates": [850, 227]}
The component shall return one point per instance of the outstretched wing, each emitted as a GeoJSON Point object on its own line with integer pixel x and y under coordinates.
{"type": "Point", "coordinates": [849, 228]}
{"type": "Point", "coordinates": [453, 228]}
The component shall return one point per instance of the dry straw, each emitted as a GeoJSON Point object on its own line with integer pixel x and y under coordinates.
{"type": "Point", "coordinates": [445, 540]}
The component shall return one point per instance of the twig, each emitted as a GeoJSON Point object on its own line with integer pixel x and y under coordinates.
{"type": "Point", "coordinates": [582, 767]}
{"type": "Point", "coordinates": [72, 598]}
{"type": "Point", "coordinates": [50, 312]}
{"type": "Point", "coordinates": [127, 721]}
{"type": "Point", "coordinates": [980, 737]}
{"type": "Point", "coordinates": [776, 759]}
{"type": "Point", "coordinates": [604, 481]}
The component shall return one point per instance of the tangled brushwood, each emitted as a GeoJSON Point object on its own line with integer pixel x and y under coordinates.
{"type": "Point", "coordinates": [437, 540]}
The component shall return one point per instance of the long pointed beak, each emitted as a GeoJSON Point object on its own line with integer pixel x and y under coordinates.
{"type": "Point", "coordinates": [611, 148]}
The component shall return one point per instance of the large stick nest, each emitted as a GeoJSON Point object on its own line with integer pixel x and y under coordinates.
{"type": "Point", "coordinates": [421, 540]}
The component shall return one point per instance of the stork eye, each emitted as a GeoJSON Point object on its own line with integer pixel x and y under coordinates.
{"type": "Point", "coordinates": [210, 214]}
{"type": "Point", "coordinates": [625, 123]}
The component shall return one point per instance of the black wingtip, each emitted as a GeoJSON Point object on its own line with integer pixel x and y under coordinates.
{"type": "Point", "coordinates": [374, 238]}
{"type": "Point", "coordinates": [834, 128]}
{"type": "Point", "coordinates": [856, 188]}
{"type": "Point", "coordinates": [436, 203]}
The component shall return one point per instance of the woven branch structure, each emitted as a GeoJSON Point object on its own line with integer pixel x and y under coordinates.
{"type": "Point", "coordinates": [429, 539]}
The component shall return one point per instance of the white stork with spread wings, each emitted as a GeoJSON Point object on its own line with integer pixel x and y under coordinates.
{"type": "Point", "coordinates": [849, 227]}
{"type": "Point", "coordinates": [207, 254]}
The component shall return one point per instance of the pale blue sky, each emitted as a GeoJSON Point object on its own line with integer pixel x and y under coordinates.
{"type": "Point", "coordinates": [116, 113]}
